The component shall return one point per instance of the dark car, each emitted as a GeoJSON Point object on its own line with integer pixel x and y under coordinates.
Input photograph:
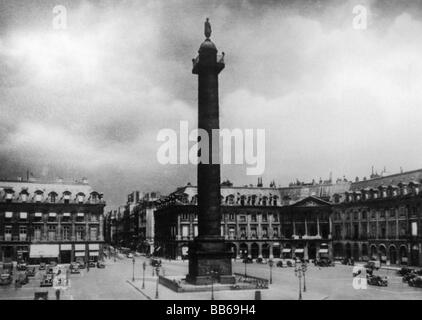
{"type": "Point", "coordinates": [372, 265]}
{"type": "Point", "coordinates": [279, 264]}
{"type": "Point", "coordinates": [21, 266]}
{"type": "Point", "coordinates": [43, 266]}
{"type": "Point", "coordinates": [100, 265]}
{"type": "Point", "coordinates": [5, 279]}
{"type": "Point", "coordinates": [409, 276]}
{"type": "Point", "coordinates": [30, 271]}
{"type": "Point", "coordinates": [47, 281]}
{"type": "Point", "coordinates": [324, 263]}
{"type": "Point", "coordinates": [81, 263]}
{"type": "Point", "coordinates": [247, 260]}
{"type": "Point", "coordinates": [415, 282]}
{"type": "Point", "coordinates": [404, 271]}
{"type": "Point", "coordinates": [50, 270]}
{"type": "Point", "coordinates": [374, 280]}
{"type": "Point", "coordinates": [155, 263]}
{"type": "Point", "coordinates": [92, 264]}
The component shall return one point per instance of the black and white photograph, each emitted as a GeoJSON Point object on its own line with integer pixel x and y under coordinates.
{"type": "Point", "coordinates": [222, 151]}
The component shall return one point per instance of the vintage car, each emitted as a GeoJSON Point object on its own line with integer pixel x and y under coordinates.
{"type": "Point", "coordinates": [81, 263]}
{"type": "Point", "coordinates": [8, 268]}
{"type": "Point", "coordinates": [5, 279]}
{"type": "Point", "coordinates": [43, 266]}
{"type": "Point", "coordinates": [74, 268]}
{"type": "Point", "coordinates": [155, 263]}
{"type": "Point", "coordinates": [374, 280]}
{"type": "Point", "coordinates": [92, 264]}
{"type": "Point", "coordinates": [100, 265]}
{"type": "Point", "coordinates": [279, 264]}
{"type": "Point", "coordinates": [50, 270]}
{"type": "Point", "coordinates": [415, 282]}
{"type": "Point", "coordinates": [247, 260]}
{"type": "Point", "coordinates": [409, 276]}
{"type": "Point", "coordinates": [129, 255]}
{"type": "Point", "coordinates": [21, 266]}
{"type": "Point", "coordinates": [404, 271]}
{"type": "Point", "coordinates": [47, 281]}
{"type": "Point", "coordinates": [372, 264]}
{"type": "Point", "coordinates": [30, 271]}
{"type": "Point", "coordinates": [324, 262]}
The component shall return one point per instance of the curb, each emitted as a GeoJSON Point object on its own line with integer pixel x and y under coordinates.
{"type": "Point", "coordinates": [145, 295]}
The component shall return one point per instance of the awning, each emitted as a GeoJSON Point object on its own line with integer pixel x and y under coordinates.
{"type": "Point", "coordinates": [94, 246]}
{"type": "Point", "coordinates": [79, 247]}
{"type": "Point", "coordinates": [94, 254]}
{"type": "Point", "coordinates": [8, 214]}
{"type": "Point", "coordinates": [80, 254]}
{"type": "Point", "coordinates": [287, 250]}
{"type": "Point", "coordinates": [276, 244]}
{"type": "Point", "coordinates": [23, 215]}
{"type": "Point", "coordinates": [66, 214]}
{"type": "Point", "coordinates": [52, 214]}
{"type": "Point", "coordinates": [323, 250]}
{"type": "Point", "coordinates": [38, 214]}
{"type": "Point", "coordinates": [299, 251]}
{"type": "Point", "coordinates": [64, 247]}
{"type": "Point", "coordinates": [80, 214]}
{"type": "Point", "coordinates": [44, 250]}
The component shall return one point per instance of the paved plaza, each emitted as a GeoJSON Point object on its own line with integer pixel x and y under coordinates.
{"type": "Point", "coordinates": [115, 283]}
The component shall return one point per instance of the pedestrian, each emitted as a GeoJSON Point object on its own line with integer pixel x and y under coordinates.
{"type": "Point", "coordinates": [58, 294]}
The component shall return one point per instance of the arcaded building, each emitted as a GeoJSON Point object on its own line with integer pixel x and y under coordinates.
{"type": "Point", "coordinates": [257, 221]}
{"type": "Point", "coordinates": [44, 221]}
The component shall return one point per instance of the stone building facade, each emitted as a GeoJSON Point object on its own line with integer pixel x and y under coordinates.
{"type": "Point", "coordinates": [44, 221]}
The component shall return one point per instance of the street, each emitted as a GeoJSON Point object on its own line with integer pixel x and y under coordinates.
{"type": "Point", "coordinates": [115, 283]}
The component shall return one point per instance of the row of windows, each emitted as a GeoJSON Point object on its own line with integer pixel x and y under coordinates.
{"type": "Point", "coordinates": [49, 215]}
{"type": "Point", "coordinates": [52, 233]}
{"type": "Point", "coordinates": [52, 197]}
{"type": "Point", "coordinates": [380, 214]}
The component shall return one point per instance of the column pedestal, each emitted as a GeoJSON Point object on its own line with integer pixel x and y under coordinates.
{"type": "Point", "coordinates": [205, 256]}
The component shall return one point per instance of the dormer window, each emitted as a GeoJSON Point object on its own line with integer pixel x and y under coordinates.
{"type": "Point", "coordinates": [66, 196]}
{"type": "Point", "coordinates": [9, 196]}
{"type": "Point", "coordinates": [80, 198]}
{"type": "Point", "coordinates": [24, 197]}
{"type": "Point", "coordinates": [38, 196]}
{"type": "Point", "coordinates": [53, 197]}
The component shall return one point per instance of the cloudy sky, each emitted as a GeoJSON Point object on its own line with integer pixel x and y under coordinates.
{"type": "Point", "coordinates": [89, 100]}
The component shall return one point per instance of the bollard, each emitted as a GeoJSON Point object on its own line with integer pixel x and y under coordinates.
{"type": "Point", "coordinates": [257, 295]}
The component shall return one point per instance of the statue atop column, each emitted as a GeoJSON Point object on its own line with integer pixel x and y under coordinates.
{"type": "Point", "coordinates": [207, 29]}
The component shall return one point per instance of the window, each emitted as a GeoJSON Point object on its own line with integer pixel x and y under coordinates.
{"type": "Point", "coordinates": [356, 215]}
{"type": "Point", "coordinates": [242, 232]}
{"type": "Point", "coordinates": [275, 232]}
{"type": "Point", "coordinates": [93, 233]}
{"type": "Point", "coordinates": [382, 213]}
{"type": "Point", "coordinates": [66, 233]}
{"type": "Point", "coordinates": [265, 232]}
{"type": "Point", "coordinates": [275, 217]}
{"type": "Point", "coordinates": [373, 214]}
{"type": "Point", "coordinates": [8, 233]}
{"type": "Point", "coordinates": [364, 215]}
{"type": "Point", "coordinates": [253, 232]}
{"type": "Point", "coordinates": [231, 232]}
{"type": "Point", "coordinates": [37, 233]}
{"type": "Point", "coordinates": [253, 218]}
{"type": "Point", "coordinates": [242, 218]}
{"type": "Point", "coordinates": [22, 233]}
{"type": "Point", "coordinates": [185, 231]}
{"type": "Point", "coordinates": [51, 233]}
{"type": "Point", "coordinates": [38, 197]}
{"type": "Point", "coordinates": [80, 233]}
{"type": "Point", "coordinates": [185, 216]}
{"type": "Point", "coordinates": [231, 216]}
{"type": "Point", "coordinates": [24, 197]}
{"type": "Point", "coordinates": [195, 230]}
{"type": "Point", "coordinates": [393, 213]}
{"type": "Point", "coordinates": [80, 198]}
{"type": "Point", "coordinates": [53, 198]}
{"type": "Point", "coordinates": [264, 217]}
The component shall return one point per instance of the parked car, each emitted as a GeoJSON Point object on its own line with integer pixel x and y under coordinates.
{"type": "Point", "coordinates": [374, 280]}
{"type": "Point", "coordinates": [47, 281]}
{"type": "Point", "coordinates": [404, 271]}
{"type": "Point", "coordinates": [21, 266]}
{"type": "Point", "coordinates": [129, 255]}
{"type": "Point", "coordinates": [81, 264]}
{"type": "Point", "coordinates": [8, 268]}
{"type": "Point", "coordinates": [43, 266]}
{"type": "Point", "coordinates": [30, 271]}
{"type": "Point", "coordinates": [100, 265]}
{"type": "Point", "coordinates": [247, 260]}
{"type": "Point", "coordinates": [415, 282]}
{"type": "Point", "coordinates": [279, 264]}
{"type": "Point", "coordinates": [92, 264]}
{"type": "Point", "coordinates": [324, 262]}
{"type": "Point", "coordinates": [5, 279]}
{"type": "Point", "coordinates": [74, 268]}
{"type": "Point", "coordinates": [372, 264]}
{"type": "Point", "coordinates": [409, 276]}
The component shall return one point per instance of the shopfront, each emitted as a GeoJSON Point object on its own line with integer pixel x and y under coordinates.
{"type": "Point", "coordinates": [65, 253]}
{"type": "Point", "coordinates": [80, 254]}
{"type": "Point", "coordinates": [43, 253]}
{"type": "Point", "coordinates": [94, 252]}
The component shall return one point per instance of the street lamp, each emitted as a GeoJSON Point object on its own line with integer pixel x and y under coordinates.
{"type": "Point", "coordinates": [157, 270]}
{"type": "Point", "coordinates": [115, 253]}
{"type": "Point", "coordinates": [271, 264]}
{"type": "Point", "coordinates": [133, 269]}
{"type": "Point", "coordinates": [244, 254]}
{"type": "Point", "coordinates": [298, 273]}
{"type": "Point", "coordinates": [213, 273]}
{"type": "Point", "coordinates": [144, 266]}
{"type": "Point", "coordinates": [304, 268]}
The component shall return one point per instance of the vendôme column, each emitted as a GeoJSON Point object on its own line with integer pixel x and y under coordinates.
{"type": "Point", "coordinates": [209, 259]}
